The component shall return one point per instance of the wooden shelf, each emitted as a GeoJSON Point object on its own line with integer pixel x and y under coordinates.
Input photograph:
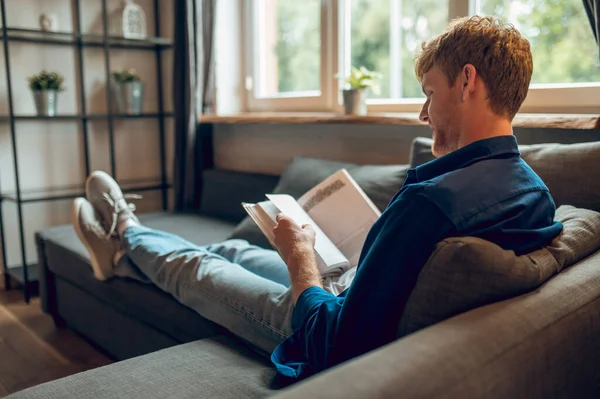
{"type": "Point", "coordinates": [71, 38]}
{"type": "Point", "coordinates": [19, 274]}
{"type": "Point", "coordinates": [70, 192]}
{"type": "Point", "coordinates": [121, 42]}
{"type": "Point", "coordinates": [40, 117]}
{"type": "Point", "coordinates": [63, 117]}
{"type": "Point", "coordinates": [546, 121]}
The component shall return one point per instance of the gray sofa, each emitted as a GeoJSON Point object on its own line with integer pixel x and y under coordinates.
{"type": "Point", "coordinates": [542, 343]}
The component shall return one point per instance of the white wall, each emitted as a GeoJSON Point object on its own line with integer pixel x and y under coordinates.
{"type": "Point", "coordinates": [50, 153]}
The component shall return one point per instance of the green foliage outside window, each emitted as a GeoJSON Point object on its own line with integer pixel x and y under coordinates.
{"type": "Point", "coordinates": [563, 46]}
{"type": "Point", "coordinates": [298, 47]}
{"type": "Point", "coordinates": [562, 42]}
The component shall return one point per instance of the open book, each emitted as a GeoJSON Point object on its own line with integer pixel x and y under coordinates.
{"type": "Point", "coordinates": [338, 210]}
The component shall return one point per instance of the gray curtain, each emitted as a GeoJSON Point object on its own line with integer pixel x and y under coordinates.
{"type": "Point", "coordinates": [193, 90]}
{"type": "Point", "coordinates": [592, 8]}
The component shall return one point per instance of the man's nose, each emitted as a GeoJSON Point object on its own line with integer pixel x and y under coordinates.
{"type": "Point", "coordinates": [424, 115]}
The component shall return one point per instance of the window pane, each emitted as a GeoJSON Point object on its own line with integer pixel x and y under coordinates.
{"type": "Point", "coordinates": [562, 42]}
{"type": "Point", "coordinates": [288, 47]}
{"type": "Point", "coordinates": [384, 35]}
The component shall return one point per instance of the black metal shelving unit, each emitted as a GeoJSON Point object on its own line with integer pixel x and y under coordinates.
{"type": "Point", "coordinates": [27, 273]}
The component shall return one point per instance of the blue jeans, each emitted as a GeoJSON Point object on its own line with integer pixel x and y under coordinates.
{"type": "Point", "coordinates": [241, 287]}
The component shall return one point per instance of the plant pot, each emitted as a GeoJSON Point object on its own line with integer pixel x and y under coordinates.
{"type": "Point", "coordinates": [46, 102]}
{"type": "Point", "coordinates": [128, 96]}
{"type": "Point", "coordinates": [355, 102]}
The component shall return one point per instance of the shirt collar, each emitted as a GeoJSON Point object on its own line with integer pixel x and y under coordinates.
{"type": "Point", "coordinates": [474, 152]}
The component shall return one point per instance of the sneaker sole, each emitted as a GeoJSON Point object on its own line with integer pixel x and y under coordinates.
{"type": "Point", "coordinates": [93, 259]}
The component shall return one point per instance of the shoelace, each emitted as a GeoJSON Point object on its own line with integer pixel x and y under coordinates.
{"type": "Point", "coordinates": [118, 207]}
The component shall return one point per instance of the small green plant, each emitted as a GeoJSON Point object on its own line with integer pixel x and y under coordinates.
{"type": "Point", "coordinates": [46, 81]}
{"type": "Point", "coordinates": [361, 78]}
{"type": "Point", "coordinates": [125, 75]}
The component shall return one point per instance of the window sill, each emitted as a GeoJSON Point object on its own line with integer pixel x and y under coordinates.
{"type": "Point", "coordinates": [546, 121]}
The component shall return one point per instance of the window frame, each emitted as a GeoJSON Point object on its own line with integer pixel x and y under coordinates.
{"type": "Point", "coordinates": [291, 102]}
{"type": "Point", "coordinates": [542, 98]}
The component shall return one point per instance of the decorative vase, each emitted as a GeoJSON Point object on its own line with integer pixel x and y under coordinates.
{"type": "Point", "coordinates": [129, 97]}
{"type": "Point", "coordinates": [133, 21]}
{"type": "Point", "coordinates": [355, 102]}
{"type": "Point", "coordinates": [49, 22]}
{"type": "Point", "coordinates": [46, 102]}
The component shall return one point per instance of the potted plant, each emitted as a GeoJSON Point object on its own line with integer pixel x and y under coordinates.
{"type": "Point", "coordinates": [45, 87]}
{"type": "Point", "coordinates": [128, 89]}
{"type": "Point", "coordinates": [356, 85]}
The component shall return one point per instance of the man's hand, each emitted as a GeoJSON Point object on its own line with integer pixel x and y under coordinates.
{"type": "Point", "coordinates": [296, 245]}
{"type": "Point", "coordinates": [292, 240]}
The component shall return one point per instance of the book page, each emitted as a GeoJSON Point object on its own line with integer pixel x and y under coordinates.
{"type": "Point", "coordinates": [264, 215]}
{"type": "Point", "coordinates": [332, 260]}
{"type": "Point", "coordinates": [343, 212]}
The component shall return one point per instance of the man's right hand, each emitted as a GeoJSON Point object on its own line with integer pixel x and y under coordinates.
{"type": "Point", "coordinates": [296, 246]}
{"type": "Point", "coordinates": [291, 239]}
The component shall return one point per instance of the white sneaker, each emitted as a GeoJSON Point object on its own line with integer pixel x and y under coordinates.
{"type": "Point", "coordinates": [101, 247]}
{"type": "Point", "coordinates": [104, 193]}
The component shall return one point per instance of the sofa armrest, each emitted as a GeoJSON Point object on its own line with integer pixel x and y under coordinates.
{"type": "Point", "coordinates": [46, 277]}
{"type": "Point", "coordinates": [542, 344]}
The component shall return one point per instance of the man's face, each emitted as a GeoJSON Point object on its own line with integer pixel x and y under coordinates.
{"type": "Point", "coordinates": [441, 110]}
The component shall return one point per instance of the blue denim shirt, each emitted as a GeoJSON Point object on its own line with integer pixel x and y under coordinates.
{"type": "Point", "coordinates": [483, 190]}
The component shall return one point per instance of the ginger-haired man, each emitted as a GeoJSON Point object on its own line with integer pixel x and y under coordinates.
{"type": "Point", "coordinates": [475, 77]}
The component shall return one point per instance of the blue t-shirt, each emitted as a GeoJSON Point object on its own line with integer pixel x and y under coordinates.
{"type": "Point", "coordinates": [482, 190]}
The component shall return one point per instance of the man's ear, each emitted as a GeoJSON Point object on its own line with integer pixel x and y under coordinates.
{"type": "Point", "coordinates": [468, 75]}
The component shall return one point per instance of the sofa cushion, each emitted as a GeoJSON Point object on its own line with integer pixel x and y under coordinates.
{"type": "Point", "coordinates": [67, 258]}
{"type": "Point", "coordinates": [211, 368]}
{"type": "Point", "coordinates": [223, 191]}
{"type": "Point", "coordinates": [379, 182]}
{"type": "Point", "coordinates": [467, 272]}
{"type": "Point", "coordinates": [420, 151]}
{"type": "Point", "coordinates": [570, 171]}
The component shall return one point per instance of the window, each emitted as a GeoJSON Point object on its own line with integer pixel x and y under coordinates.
{"type": "Point", "coordinates": [563, 48]}
{"type": "Point", "coordinates": [289, 65]}
{"type": "Point", "coordinates": [294, 50]}
{"type": "Point", "coordinates": [287, 47]}
{"type": "Point", "coordinates": [384, 35]}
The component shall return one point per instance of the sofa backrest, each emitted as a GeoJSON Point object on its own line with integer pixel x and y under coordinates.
{"type": "Point", "coordinates": [223, 192]}
{"type": "Point", "coordinates": [571, 171]}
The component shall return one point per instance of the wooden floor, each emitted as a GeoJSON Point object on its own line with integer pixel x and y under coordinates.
{"type": "Point", "coordinates": [33, 350]}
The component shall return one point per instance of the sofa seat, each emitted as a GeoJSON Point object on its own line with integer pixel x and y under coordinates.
{"type": "Point", "coordinates": [210, 368]}
{"type": "Point", "coordinates": [66, 257]}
